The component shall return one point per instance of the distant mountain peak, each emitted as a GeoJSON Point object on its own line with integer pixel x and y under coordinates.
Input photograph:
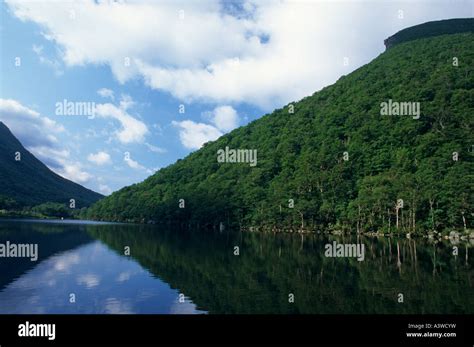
{"type": "Point", "coordinates": [429, 29]}
{"type": "Point", "coordinates": [30, 182]}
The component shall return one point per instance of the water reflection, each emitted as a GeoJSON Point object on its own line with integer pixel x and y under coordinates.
{"type": "Point", "coordinates": [89, 278]}
{"type": "Point", "coordinates": [211, 278]}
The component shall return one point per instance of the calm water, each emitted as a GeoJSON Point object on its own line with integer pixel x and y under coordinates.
{"type": "Point", "coordinates": [175, 272]}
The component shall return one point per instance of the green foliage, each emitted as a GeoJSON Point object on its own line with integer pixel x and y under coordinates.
{"type": "Point", "coordinates": [300, 156]}
{"type": "Point", "coordinates": [7, 203]}
{"type": "Point", "coordinates": [52, 209]}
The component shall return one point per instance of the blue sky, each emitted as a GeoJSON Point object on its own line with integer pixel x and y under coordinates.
{"type": "Point", "coordinates": [139, 63]}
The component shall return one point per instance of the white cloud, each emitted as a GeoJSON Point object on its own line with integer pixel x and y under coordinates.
{"type": "Point", "coordinates": [267, 53]}
{"type": "Point", "coordinates": [106, 93]}
{"type": "Point", "coordinates": [105, 189]}
{"type": "Point", "coordinates": [60, 162]}
{"type": "Point", "coordinates": [74, 172]}
{"type": "Point", "coordinates": [132, 130]}
{"type": "Point", "coordinates": [38, 134]}
{"type": "Point", "coordinates": [32, 129]}
{"type": "Point", "coordinates": [155, 149]}
{"type": "Point", "coordinates": [53, 157]}
{"type": "Point", "coordinates": [133, 164]}
{"type": "Point", "coordinates": [126, 102]}
{"type": "Point", "coordinates": [99, 158]}
{"type": "Point", "coordinates": [193, 135]}
{"type": "Point", "coordinates": [225, 118]}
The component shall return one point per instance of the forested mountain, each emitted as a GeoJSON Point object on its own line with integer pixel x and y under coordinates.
{"type": "Point", "coordinates": [436, 28]}
{"type": "Point", "coordinates": [356, 155]}
{"type": "Point", "coordinates": [26, 181]}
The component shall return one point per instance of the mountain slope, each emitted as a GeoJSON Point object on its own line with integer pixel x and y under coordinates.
{"type": "Point", "coordinates": [436, 28]}
{"type": "Point", "coordinates": [29, 182]}
{"type": "Point", "coordinates": [304, 179]}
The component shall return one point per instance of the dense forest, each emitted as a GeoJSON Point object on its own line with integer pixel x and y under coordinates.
{"type": "Point", "coordinates": [436, 28]}
{"type": "Point", "coordinates": [335, 160]}
{"type": "Point", "coordinates": [28, 187]}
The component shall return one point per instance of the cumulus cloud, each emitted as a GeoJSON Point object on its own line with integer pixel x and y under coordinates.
{"type": "Point", "coordinates": [53, 157]}
{"type": "Point", "coordinates": [99, 158]}
{"type": "Point", "coordinates": [74, 172]}
{"type": "Point", "coordinates": [60, 162]}
{"type": "Point", "coordinates": [193, 135]}
{"type": "Point", "coordinates": [134, 164]}
{"type": "Point", "coordinates": [262, 52]}
{"type": "Point", "coordinates": [225, 118]}
{"type": "Point", "coordinates": [105, 189]}
{"type": "Point", "coordinates": [106, 93]}
{"type": "Point", "coordinates": [32, 129]}
{"type": "Point", "coordinates": [132, 129]}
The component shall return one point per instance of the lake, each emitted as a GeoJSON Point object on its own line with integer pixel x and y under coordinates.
{"type": "Point", "coordinates": [88, 267]}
